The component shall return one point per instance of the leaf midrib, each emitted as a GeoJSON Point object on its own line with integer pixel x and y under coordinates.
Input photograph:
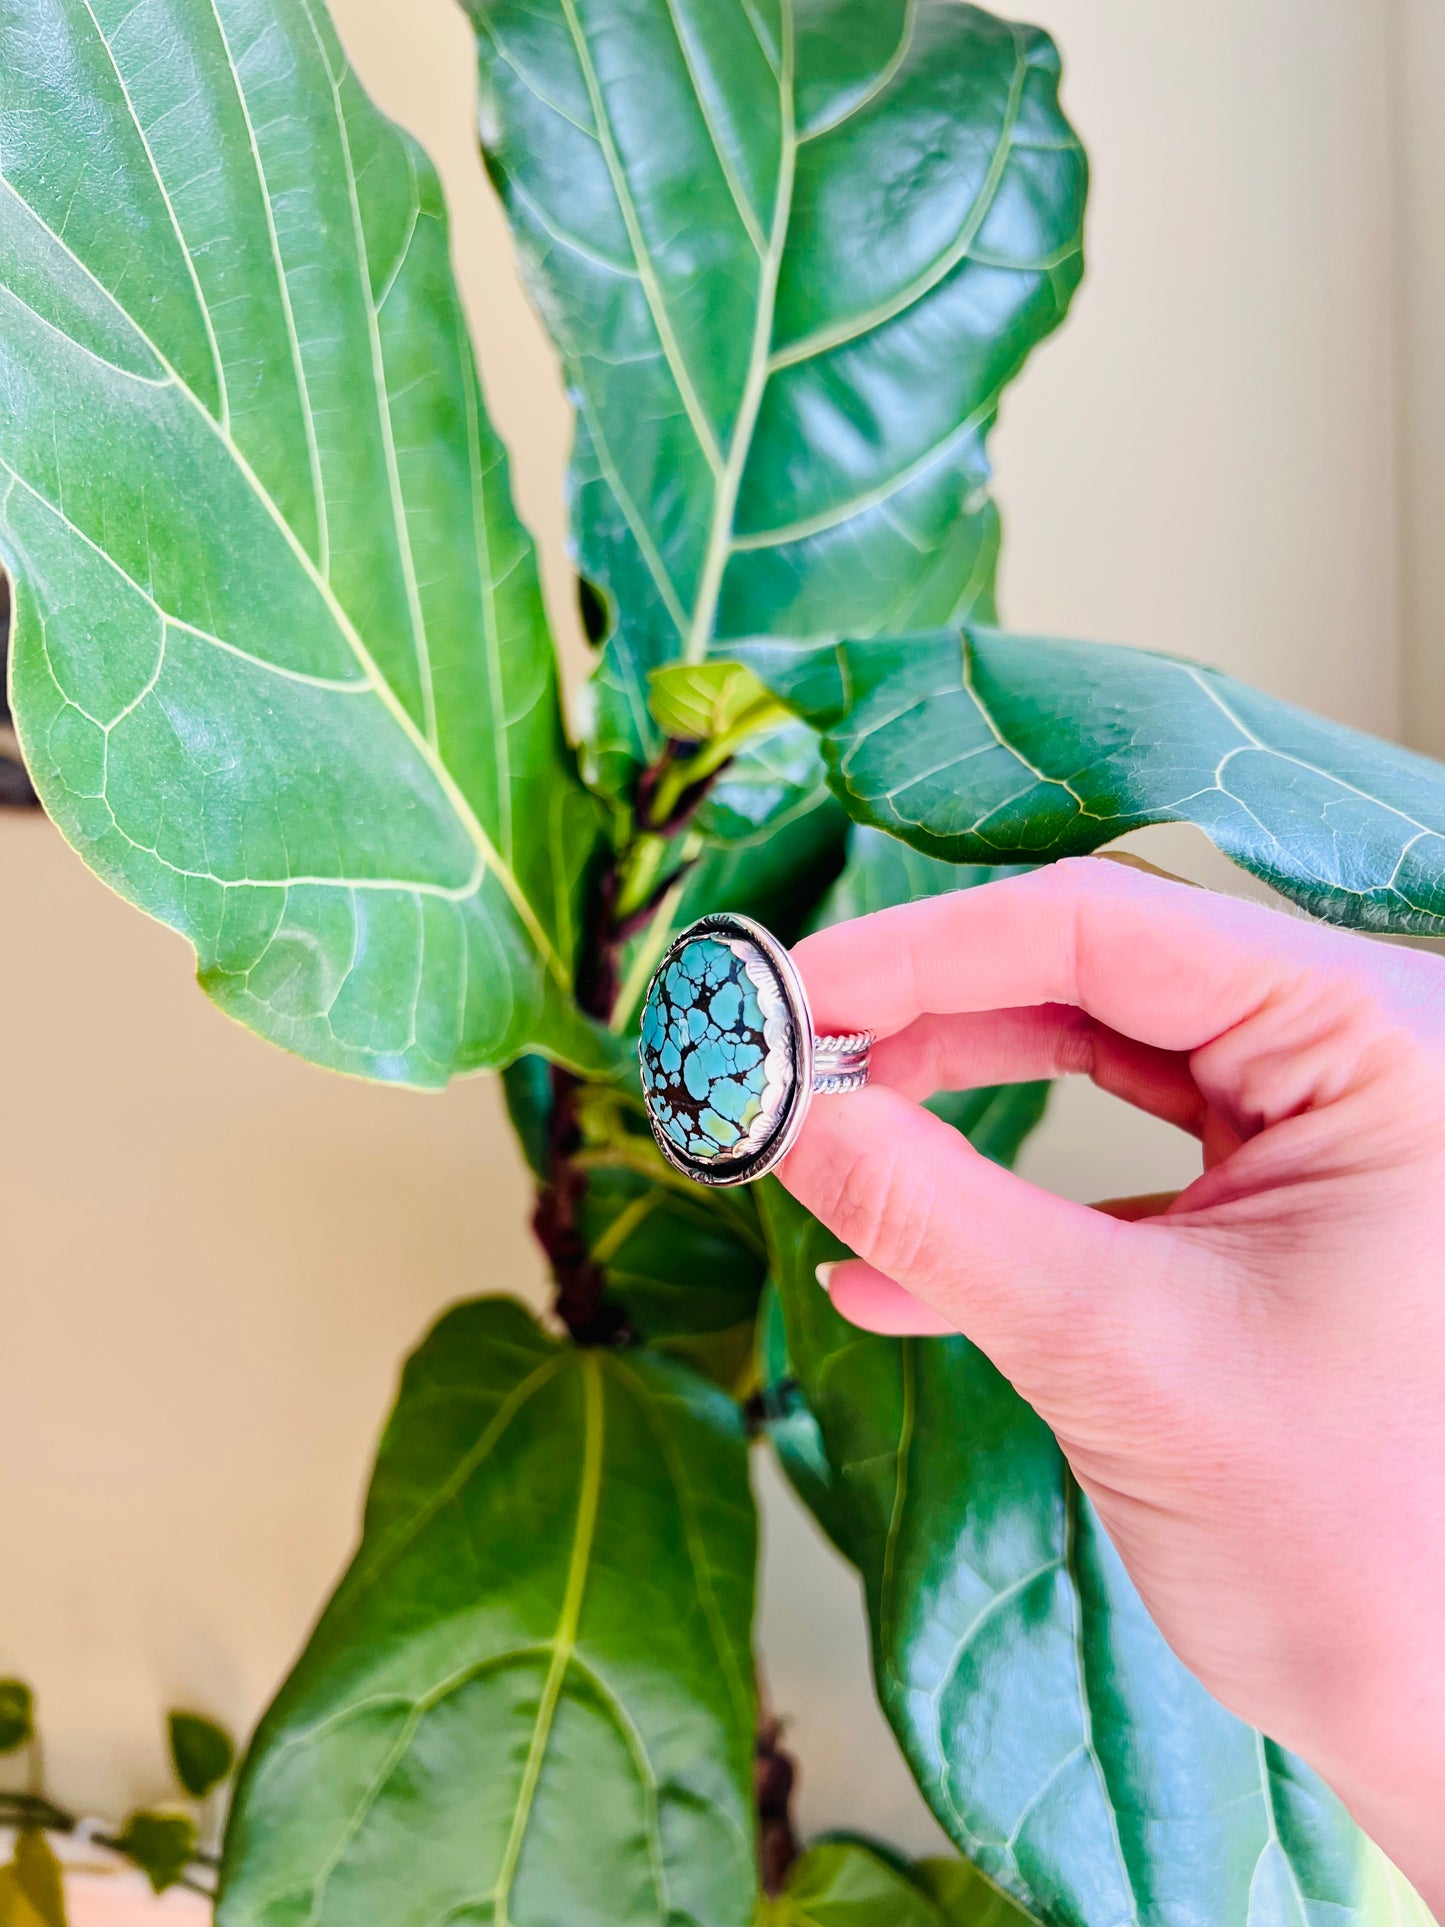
{"type": "Point", "coordinates": [488, 854]}
{"type": "Point", "coordinates": [564, 1641]}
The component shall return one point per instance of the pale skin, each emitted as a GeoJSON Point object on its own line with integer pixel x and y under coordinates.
{"type": "Point", "coordinates": [1248, 1378]}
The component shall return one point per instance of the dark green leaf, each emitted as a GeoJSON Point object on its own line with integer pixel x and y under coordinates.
{"type": "Point", "coordinates": [974, 746]}
{"type": "Point", "coordinates": [774, 779]}
{"type": "Point", "coordinates": [687, 1264]}
{"type": "Point", "coordinates": [280, 664]}
{"type": "Point", "coordinates": [1054, 1734]}
{"type": "Point", "coordinates": [531, 1698]}
{"type": "Point", "coordinates": [161, 1844]}
{"type": "Point", "coordinates": [791, 258]}
{"type": "Point", "coordinates": [527, 1084]}
{"type": "Point", "coordinates": [38, 1879]}
{"type": "Point", "coordinates": [202, 1753]}
{"type": "Point", "coordinates": [844, 1884]}
{"type": "Point", "coordinates": [963, 1897]}
{"type": "Point", "coordinates": [17, 1714]}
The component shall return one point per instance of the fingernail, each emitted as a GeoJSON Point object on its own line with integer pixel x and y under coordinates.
{"type": "Point", "coordinates": [824, 1275]}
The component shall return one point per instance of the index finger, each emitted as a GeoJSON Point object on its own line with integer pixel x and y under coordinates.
{"type": "Point", "coordinates": [1158, 961]}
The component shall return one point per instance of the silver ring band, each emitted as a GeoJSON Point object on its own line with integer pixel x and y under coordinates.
{"type": "Point", "coordinates": [840, 1064]}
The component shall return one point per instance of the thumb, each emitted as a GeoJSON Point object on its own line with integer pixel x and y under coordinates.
{"type": "Point", "coordinates": [1014, 1267]}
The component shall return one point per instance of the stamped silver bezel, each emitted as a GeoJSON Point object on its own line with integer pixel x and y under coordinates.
{"type": "Point", "coordinates": [788, 1032]}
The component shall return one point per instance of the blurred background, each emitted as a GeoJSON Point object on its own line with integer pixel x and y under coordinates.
{"type": "Point", "coordinates": [214, 1258]}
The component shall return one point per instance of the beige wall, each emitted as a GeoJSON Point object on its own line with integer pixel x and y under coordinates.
{"type": "Point", "coordinates": [214, 1257]}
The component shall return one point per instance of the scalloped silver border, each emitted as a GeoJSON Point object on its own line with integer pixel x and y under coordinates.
{"type": "Point", "coordinates": [777, 1035]}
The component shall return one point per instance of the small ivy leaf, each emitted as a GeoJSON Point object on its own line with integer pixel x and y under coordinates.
{"type": "Point", "coordinates": [38, 1879]}
{"type": "Point", "coordinates": [162, 1845]}
{"type": "Point", "coordinates": [17, 1714]}
{"type": "Point", "coordinates": [697, 702]}
{"type": "Point", "coordinates": [202, 1753]}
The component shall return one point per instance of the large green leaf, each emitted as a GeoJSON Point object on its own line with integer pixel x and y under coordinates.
{"type": "Point", "coordinates": [531, 1698]}
{"type": "Point", "coordinates": [791, 255]}
{"type": "Point", "coordinates": [1054, 1734]}
{"type": "Point", "coordinates": [980, 747]}
{"type": "Point", "coordinates": [280, 668]}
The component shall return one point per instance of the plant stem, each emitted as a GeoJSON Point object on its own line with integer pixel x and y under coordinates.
{"type": "Point", "coordinates": [37, 1810]}
{"type": "Point", "coordinates": [627, 894]}
{"type": "Point", "coordinates": [773, 1779]}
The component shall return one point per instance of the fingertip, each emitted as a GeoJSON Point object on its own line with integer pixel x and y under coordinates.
{"type": "Point", "coordinates": [873, 1302]}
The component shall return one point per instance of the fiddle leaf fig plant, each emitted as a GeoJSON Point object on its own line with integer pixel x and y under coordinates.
{"type": "Point", "coordinates": [282, 675]}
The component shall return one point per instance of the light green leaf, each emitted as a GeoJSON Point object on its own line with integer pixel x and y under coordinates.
{"type": "Point", "coordinates": [531, 1698]}
{"type": "Point", "coordinates": [845, 1884]}
{"type": "Point", "coordinates": [17, 1714]}
{"type": "Point", "coordinates": [202, 1753]}
{"type": "Point", "coordinates": [280, 669]}
{"type": "Point", "coordinates": [791, 256]}
{"type": "Point", "coordinates": [978, 746]}
{"type": "Point", "coordinates": [1055, 1736]}
{"type": "Point", "coordinates": [162, 1845]}
{"type": "Point", "coordinates": [700, 702]}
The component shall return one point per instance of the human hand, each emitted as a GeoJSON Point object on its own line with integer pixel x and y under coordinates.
{"type": "Point", "coordinates": [1248, 1379]}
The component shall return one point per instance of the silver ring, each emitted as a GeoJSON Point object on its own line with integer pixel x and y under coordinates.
{"type": "Point", "coordinates": [730, 1063]}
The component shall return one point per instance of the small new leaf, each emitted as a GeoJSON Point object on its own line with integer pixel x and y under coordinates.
{"type": "Point", "coordinates": [697, 702]}
{"type": "Point", "coordinates": [202, 1753]}
{"type": "Point", "coordinates": [162, 1845]}
{"type": "Point", "coordinates": [38, 1879]}
{"type": "Point", "coordinates": [17, 1714]}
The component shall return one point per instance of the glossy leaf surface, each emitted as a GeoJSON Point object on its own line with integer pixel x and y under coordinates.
{"type": "Point", "coordinates": [791, 256]}
{"type": "Point", "coordinates": [977, 746]}
{"type": "Point", "coordinates": [280, 666]}
{"type": "Point", "coordinates": [1055, 1736]}
{"type": "Point", "coordinates": [531, 1698]}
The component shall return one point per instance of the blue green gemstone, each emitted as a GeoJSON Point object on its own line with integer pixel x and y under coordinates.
{"type": "Point", "coordinates": [703, 1050]}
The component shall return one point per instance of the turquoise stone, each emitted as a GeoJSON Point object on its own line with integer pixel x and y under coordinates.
{"type": "Point", "coordinates": [703, 1050]}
